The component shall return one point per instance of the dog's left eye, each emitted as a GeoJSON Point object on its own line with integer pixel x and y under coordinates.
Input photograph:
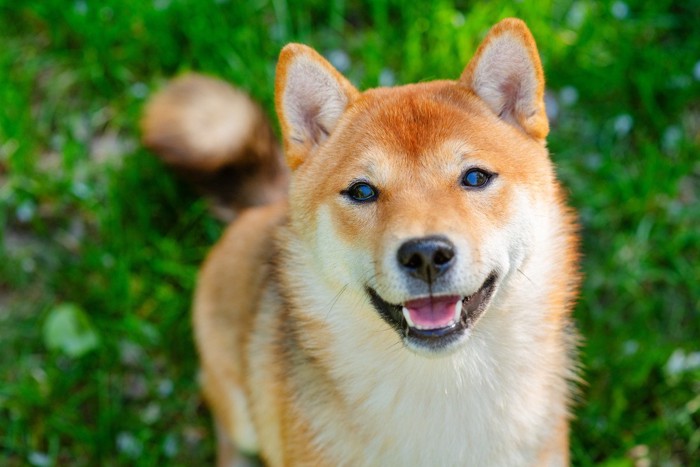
{"type": "Point", "coordinates": [476, 178]}
{"type": "Point", "coordinates": [361, 191]}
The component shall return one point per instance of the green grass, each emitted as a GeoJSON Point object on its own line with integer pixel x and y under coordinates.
{"type": "Point", "coordinates": [92, 223]}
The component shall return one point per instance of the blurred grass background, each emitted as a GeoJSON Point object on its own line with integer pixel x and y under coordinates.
{"type": "Point", "coordinates": [99, 244]}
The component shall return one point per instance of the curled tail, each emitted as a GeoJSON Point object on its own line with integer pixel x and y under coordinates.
{"type": "Point", "coordinates": [218, 139]}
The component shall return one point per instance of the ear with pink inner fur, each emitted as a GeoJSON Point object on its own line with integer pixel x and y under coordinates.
{"type": "Point", "coordinates": [310, 97]}
{"type": "Point", "coordinates": [506, 73]}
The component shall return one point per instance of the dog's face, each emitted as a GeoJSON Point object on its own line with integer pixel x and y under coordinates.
{"type": "Point", "coordinates": [424, 196]}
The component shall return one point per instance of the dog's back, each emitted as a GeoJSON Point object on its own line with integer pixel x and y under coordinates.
{"type": "Point", "coordinates": [409, 303]}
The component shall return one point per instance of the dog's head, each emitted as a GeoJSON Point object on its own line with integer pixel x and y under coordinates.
{"type": "Point", "coordinates": [424, 196]}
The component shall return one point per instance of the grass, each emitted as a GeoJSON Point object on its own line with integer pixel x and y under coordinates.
{"type": "Point", "coordinates": [99, 245]}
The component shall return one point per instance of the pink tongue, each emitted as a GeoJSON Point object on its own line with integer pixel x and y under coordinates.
{"type": "Point", "coordinates": [432, 312]}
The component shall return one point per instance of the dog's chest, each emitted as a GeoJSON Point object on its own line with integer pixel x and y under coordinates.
{"type": "Point", "coordinates": [453, 413]}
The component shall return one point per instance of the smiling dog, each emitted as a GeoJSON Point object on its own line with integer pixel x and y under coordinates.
{"type": "Point", "coordinates": [409, 302]}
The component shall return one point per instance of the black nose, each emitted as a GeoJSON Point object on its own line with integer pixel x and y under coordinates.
{"type": "Point", "coordinates": [427, 258]}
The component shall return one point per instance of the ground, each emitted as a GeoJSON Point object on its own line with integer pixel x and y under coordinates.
{"type": "Point", "coordinates": [99, 244]}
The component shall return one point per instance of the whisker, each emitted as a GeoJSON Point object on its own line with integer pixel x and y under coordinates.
{"type": "Point", "coordinates": [335, 300]}
{"type": "Point", "coordinates": [525, 276]}
{"type": "Point", "coordinates": [395, 345]}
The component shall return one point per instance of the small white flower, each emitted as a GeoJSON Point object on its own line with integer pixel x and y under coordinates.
{"type": "Point", "coordinates": [551, 105]}
{"type": "Point", "coordinates": [128, 445]}
{"type": "Point", "coordinates": [630, 347]}
{"type": "Point", "coordinates": [672, 138]}
{"type": "Point", "coordinates": [387, 77]}
{"type": "Point", "coordinates": [161, 5]}
{"type": "Point", "coordinates": [170, 446]}
{"type": "Point", "coordinates": [80, 7]}
{"type": "Point", "coordinates": [139, 90]}
{"type": "Point", "coordinates": [696, 71]}
{"type": "Point", "coordinates": [620, 10]}
{"type": "Point", "coordinates": [165, 387]}
{"type": "Point", "coordinates": [577, 14]}
{"type": "Point", "coordinates": [568, 95]}
{"type": "Point", "coordinates": [25, 211]}
{"type": "Point", "coordinates": [623, 124]}
{"type": "Point", "coordinates": [675, 363]}
{"type": "Point", "coordinates": [339, 59]}
{"type": "Point", "coordinates": [39, 459]}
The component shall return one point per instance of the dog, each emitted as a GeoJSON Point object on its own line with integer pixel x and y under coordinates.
{"type": "Point", "coordinates": [402, 294]}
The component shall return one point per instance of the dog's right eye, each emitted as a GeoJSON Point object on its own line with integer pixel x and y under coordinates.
{"type": "Point", "coordinates": [476, 178]}
{"type": "Point", "coordinates": [361, 191]}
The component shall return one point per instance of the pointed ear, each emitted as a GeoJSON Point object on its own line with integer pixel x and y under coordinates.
{"type": "Point", "coordinates": [506, 73]}
{"type": "Point", "coordinates": [310, 96]}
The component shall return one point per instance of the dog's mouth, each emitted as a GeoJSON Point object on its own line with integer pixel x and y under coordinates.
{"type": "Point", "coordinates": [435, 323]}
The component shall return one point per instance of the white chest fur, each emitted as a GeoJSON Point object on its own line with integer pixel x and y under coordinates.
{"type": "Point", "coordinates": [490, 403]}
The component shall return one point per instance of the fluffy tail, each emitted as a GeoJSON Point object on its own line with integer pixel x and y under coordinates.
{"type": "Point", "coordinates": [218, 139]}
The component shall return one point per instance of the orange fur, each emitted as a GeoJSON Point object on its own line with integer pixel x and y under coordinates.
{"type": "Point", "coordinates": [298, 362]}
{"type": "Point", "coordinates": [535, 124]}
{"type": "Point", "coordinates": [295, 152]}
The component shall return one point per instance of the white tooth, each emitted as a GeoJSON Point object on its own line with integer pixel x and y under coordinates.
{"type": "Point", "coordinates": [407, 317]}
{"type": "Point", "coordinates": [458, 311]}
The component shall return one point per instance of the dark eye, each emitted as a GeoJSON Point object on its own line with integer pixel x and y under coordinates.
{"type": "Point", "coordinates": [361, 191]}
{"type": "Point", "coordinates": [476, 178]}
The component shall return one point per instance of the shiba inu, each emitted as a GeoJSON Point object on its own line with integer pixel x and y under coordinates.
{"type": "Point", "coordinates": [408, 301]}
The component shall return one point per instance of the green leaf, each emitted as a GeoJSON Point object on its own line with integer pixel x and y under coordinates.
{"type": "Point", "coordinates": [68, 329]}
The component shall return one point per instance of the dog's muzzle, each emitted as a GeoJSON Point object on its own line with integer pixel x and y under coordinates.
{"type": "Point", "coordinates": [435, 324]}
